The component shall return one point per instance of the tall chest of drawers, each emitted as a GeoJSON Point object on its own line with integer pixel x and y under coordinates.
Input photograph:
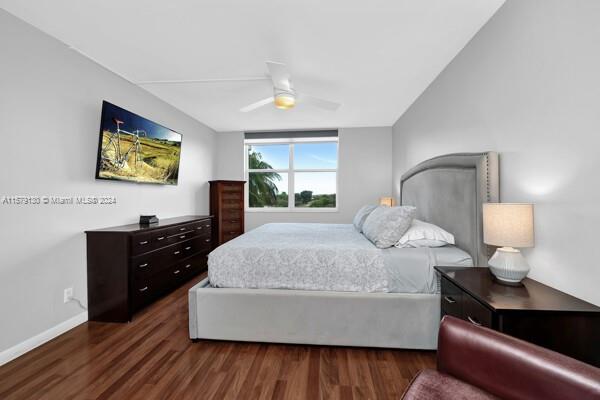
{"type": "Point", "coordinates": [227, 207]}
{"type": "Point", "coordinates": [130, 266]}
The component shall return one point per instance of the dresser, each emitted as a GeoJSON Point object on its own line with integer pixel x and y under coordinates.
{"type": "Point", "coordinates": [130, 266]}
{"type": "Point", "coordinates": [533, 311]}
{"type": "Point", "coordinates": [227, 208]}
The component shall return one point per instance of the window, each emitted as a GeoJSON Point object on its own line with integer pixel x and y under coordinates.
{"type": "Point", "coordinates": [305, 167]}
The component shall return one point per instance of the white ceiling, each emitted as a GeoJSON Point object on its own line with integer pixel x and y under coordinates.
{"type": "Point", "coordinates": [374, 57]}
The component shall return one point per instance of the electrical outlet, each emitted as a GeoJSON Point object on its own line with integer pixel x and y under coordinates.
{"type": "Point", "coordinates": [68, 294]}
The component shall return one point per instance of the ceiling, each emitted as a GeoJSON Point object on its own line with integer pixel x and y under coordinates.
{"type": "Point", "coordinates": [375, 57]}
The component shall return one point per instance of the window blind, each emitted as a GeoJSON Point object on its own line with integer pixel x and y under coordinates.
{"type": "Point", "coordinates": [326, 133]}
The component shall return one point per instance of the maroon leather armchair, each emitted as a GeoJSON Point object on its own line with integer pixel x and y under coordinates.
{"type": "Point", "coordinates": [479, 363]}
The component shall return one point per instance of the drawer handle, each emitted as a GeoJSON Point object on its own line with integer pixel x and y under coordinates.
{"type": "Point", "coordinates": [449, 299]}
{"type": "Point", "coordinates": [143, 265]}
{"type": "Point", "coordinates": [182, 229]}
{"type": "Point", "coordinates": [473, 321]}
{"type": "Point", "coordinates": [188, 248]}
{"type": "Point", "coordinates": [177, 252]}
{"type": "Point", "coordinates": [160, 238]}
{"type": "Point", "coordinates": [199, 228]}
{"type": "Point", "coordinates": [207, 240]}
{"type": "Point", "coordinates": [182, 237]}
{"type": "Point", "coordinates": [187, 266]}
{"type": "Point", "coordinates": [144, 242]}
{"type": "Point", "coordinates": [176, 272]}
{"type": "Point", "coordinates": [207, 226]}
{"type": "Point", "coordinates": [232, 232]}
{"type": "Point", "coordinates": [144, 289]}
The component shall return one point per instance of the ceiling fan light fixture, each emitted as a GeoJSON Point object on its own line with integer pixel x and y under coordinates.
{"type": "Point", "coordinates": [284, 100]}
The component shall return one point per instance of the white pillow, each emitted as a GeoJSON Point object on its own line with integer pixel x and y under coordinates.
{"type": "Point", "coordinates": [423, 234]}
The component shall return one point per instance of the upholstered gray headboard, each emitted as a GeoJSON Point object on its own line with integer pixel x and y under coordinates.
{"type": "Point", "coordinates": [449, 191]}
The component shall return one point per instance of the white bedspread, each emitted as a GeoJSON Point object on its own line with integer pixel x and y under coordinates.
{"type": "Point", "coordinates": [325, 257]}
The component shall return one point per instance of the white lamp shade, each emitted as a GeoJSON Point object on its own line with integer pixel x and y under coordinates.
{"type": "Point", "coordinates": [508, 224]}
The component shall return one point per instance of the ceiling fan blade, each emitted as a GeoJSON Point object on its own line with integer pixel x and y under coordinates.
{"type": "Point", "coordinates": [280, 75]}
{"type": "Point", "coordinates": [258, 104]}
{"type": "Point", "coordinates": [207, 80]}
{"type": "Point", "coordinates": [318, 102]}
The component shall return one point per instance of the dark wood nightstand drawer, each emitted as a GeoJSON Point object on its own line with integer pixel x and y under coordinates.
{"type": "Point", "coordinates": [452, 299]}
{"type": "Point", "coordinates": [476, 313]}
{"type": "Point", "coordinates": [530, 311]}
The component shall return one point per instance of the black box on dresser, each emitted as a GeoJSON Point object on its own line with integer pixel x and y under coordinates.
{"type": "Point", "coordinates": [130, 266]}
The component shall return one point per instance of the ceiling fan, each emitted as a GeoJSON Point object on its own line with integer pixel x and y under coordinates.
{"type": "Point", "coordinates": [284, 96]}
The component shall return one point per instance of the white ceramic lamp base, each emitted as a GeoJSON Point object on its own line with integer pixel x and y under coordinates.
{"type": "Point", "coordinates": [508, 265]}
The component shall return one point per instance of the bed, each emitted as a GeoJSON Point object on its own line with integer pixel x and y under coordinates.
{"type": "Point", "coordinates": [327, 284]}
{"type": "Point", "coordinates": [326, 257]}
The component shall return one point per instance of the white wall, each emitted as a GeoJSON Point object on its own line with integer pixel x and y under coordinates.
{"type": "Point", "coordinates": [528, 86]}
{"type": "Point", "coordinates": [50, 99]}
{"type": "Point", "coordinates": [365, 157]}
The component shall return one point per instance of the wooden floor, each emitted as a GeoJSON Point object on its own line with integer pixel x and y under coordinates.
{"type": "Point", "coordinates": [153, 358]}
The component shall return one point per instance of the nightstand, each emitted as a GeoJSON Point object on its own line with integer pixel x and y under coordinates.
{"type": "Point", "coordinates": [533, 312]}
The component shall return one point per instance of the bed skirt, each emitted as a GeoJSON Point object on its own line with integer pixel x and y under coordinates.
{"type": "Point", "coordinates": [390, 320]}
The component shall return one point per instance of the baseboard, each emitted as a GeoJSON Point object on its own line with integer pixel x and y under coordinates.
{"type": "Point", "coordinates": [38, 340]}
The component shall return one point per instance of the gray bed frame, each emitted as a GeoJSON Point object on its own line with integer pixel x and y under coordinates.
{"type": "Point", "coordinates": [448, 191]}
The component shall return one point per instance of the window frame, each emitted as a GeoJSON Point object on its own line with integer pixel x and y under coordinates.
{"type": "Point", "coordinates": [290, 171]}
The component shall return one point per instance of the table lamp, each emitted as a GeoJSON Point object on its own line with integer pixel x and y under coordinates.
{"type": "Point", "coordinates": [387, 201]}
{"type": "Point", "coordinates": [508, 225]}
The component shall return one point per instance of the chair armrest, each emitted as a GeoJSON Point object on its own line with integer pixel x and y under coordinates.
{"type": "Point", "coordinates": [511, 368]}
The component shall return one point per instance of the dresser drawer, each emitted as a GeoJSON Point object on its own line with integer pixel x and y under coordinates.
{"type": "Point", "coordinates": [202, 227]}
{"type": "Point", "coordinates": [194, 265]}
{"type": "Point", "coordinates": [179, 273]}
{"type": "Point", "coordinates": [145, 265]}
{"type": "Point", "coordinates": [144, 292]}
{"type": "Point", "coordinates": [232, 214]}
{"type": "Point", "coordinates": [231, 187]}
{"type": "Point", "coordinates": [227, 236]}
{"type": "Point", "coordinates": [156, 261]}
{"type": "Point", "coordinates": [232, 225]}
{"type": "Point", "coordinates": [141, 243]}
{"type": "Point", "coordinates": [452, 299]}
{"type": "Point", "coordinates": [231, 205]}
{"type": "Point", "coordinates": [196, 245]}
{"type": "Point", "coordinates": [159, 239]}
{"type": "Point", "coordinates": [236, 196]}
{"type": "Point", "coordinates": [180, 229]}
{"type": "Point", "coordinates": [148, 288]}
{"type": "Point", "coordinates": [177, 252]}
{"type": "Point", "coordinates": [181, 237]}
{"type": "Point", "coordinates": [476, 313]}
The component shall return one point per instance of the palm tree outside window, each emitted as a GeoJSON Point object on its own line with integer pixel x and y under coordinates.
{"type": "Point", "coordinates": [306, 168]}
